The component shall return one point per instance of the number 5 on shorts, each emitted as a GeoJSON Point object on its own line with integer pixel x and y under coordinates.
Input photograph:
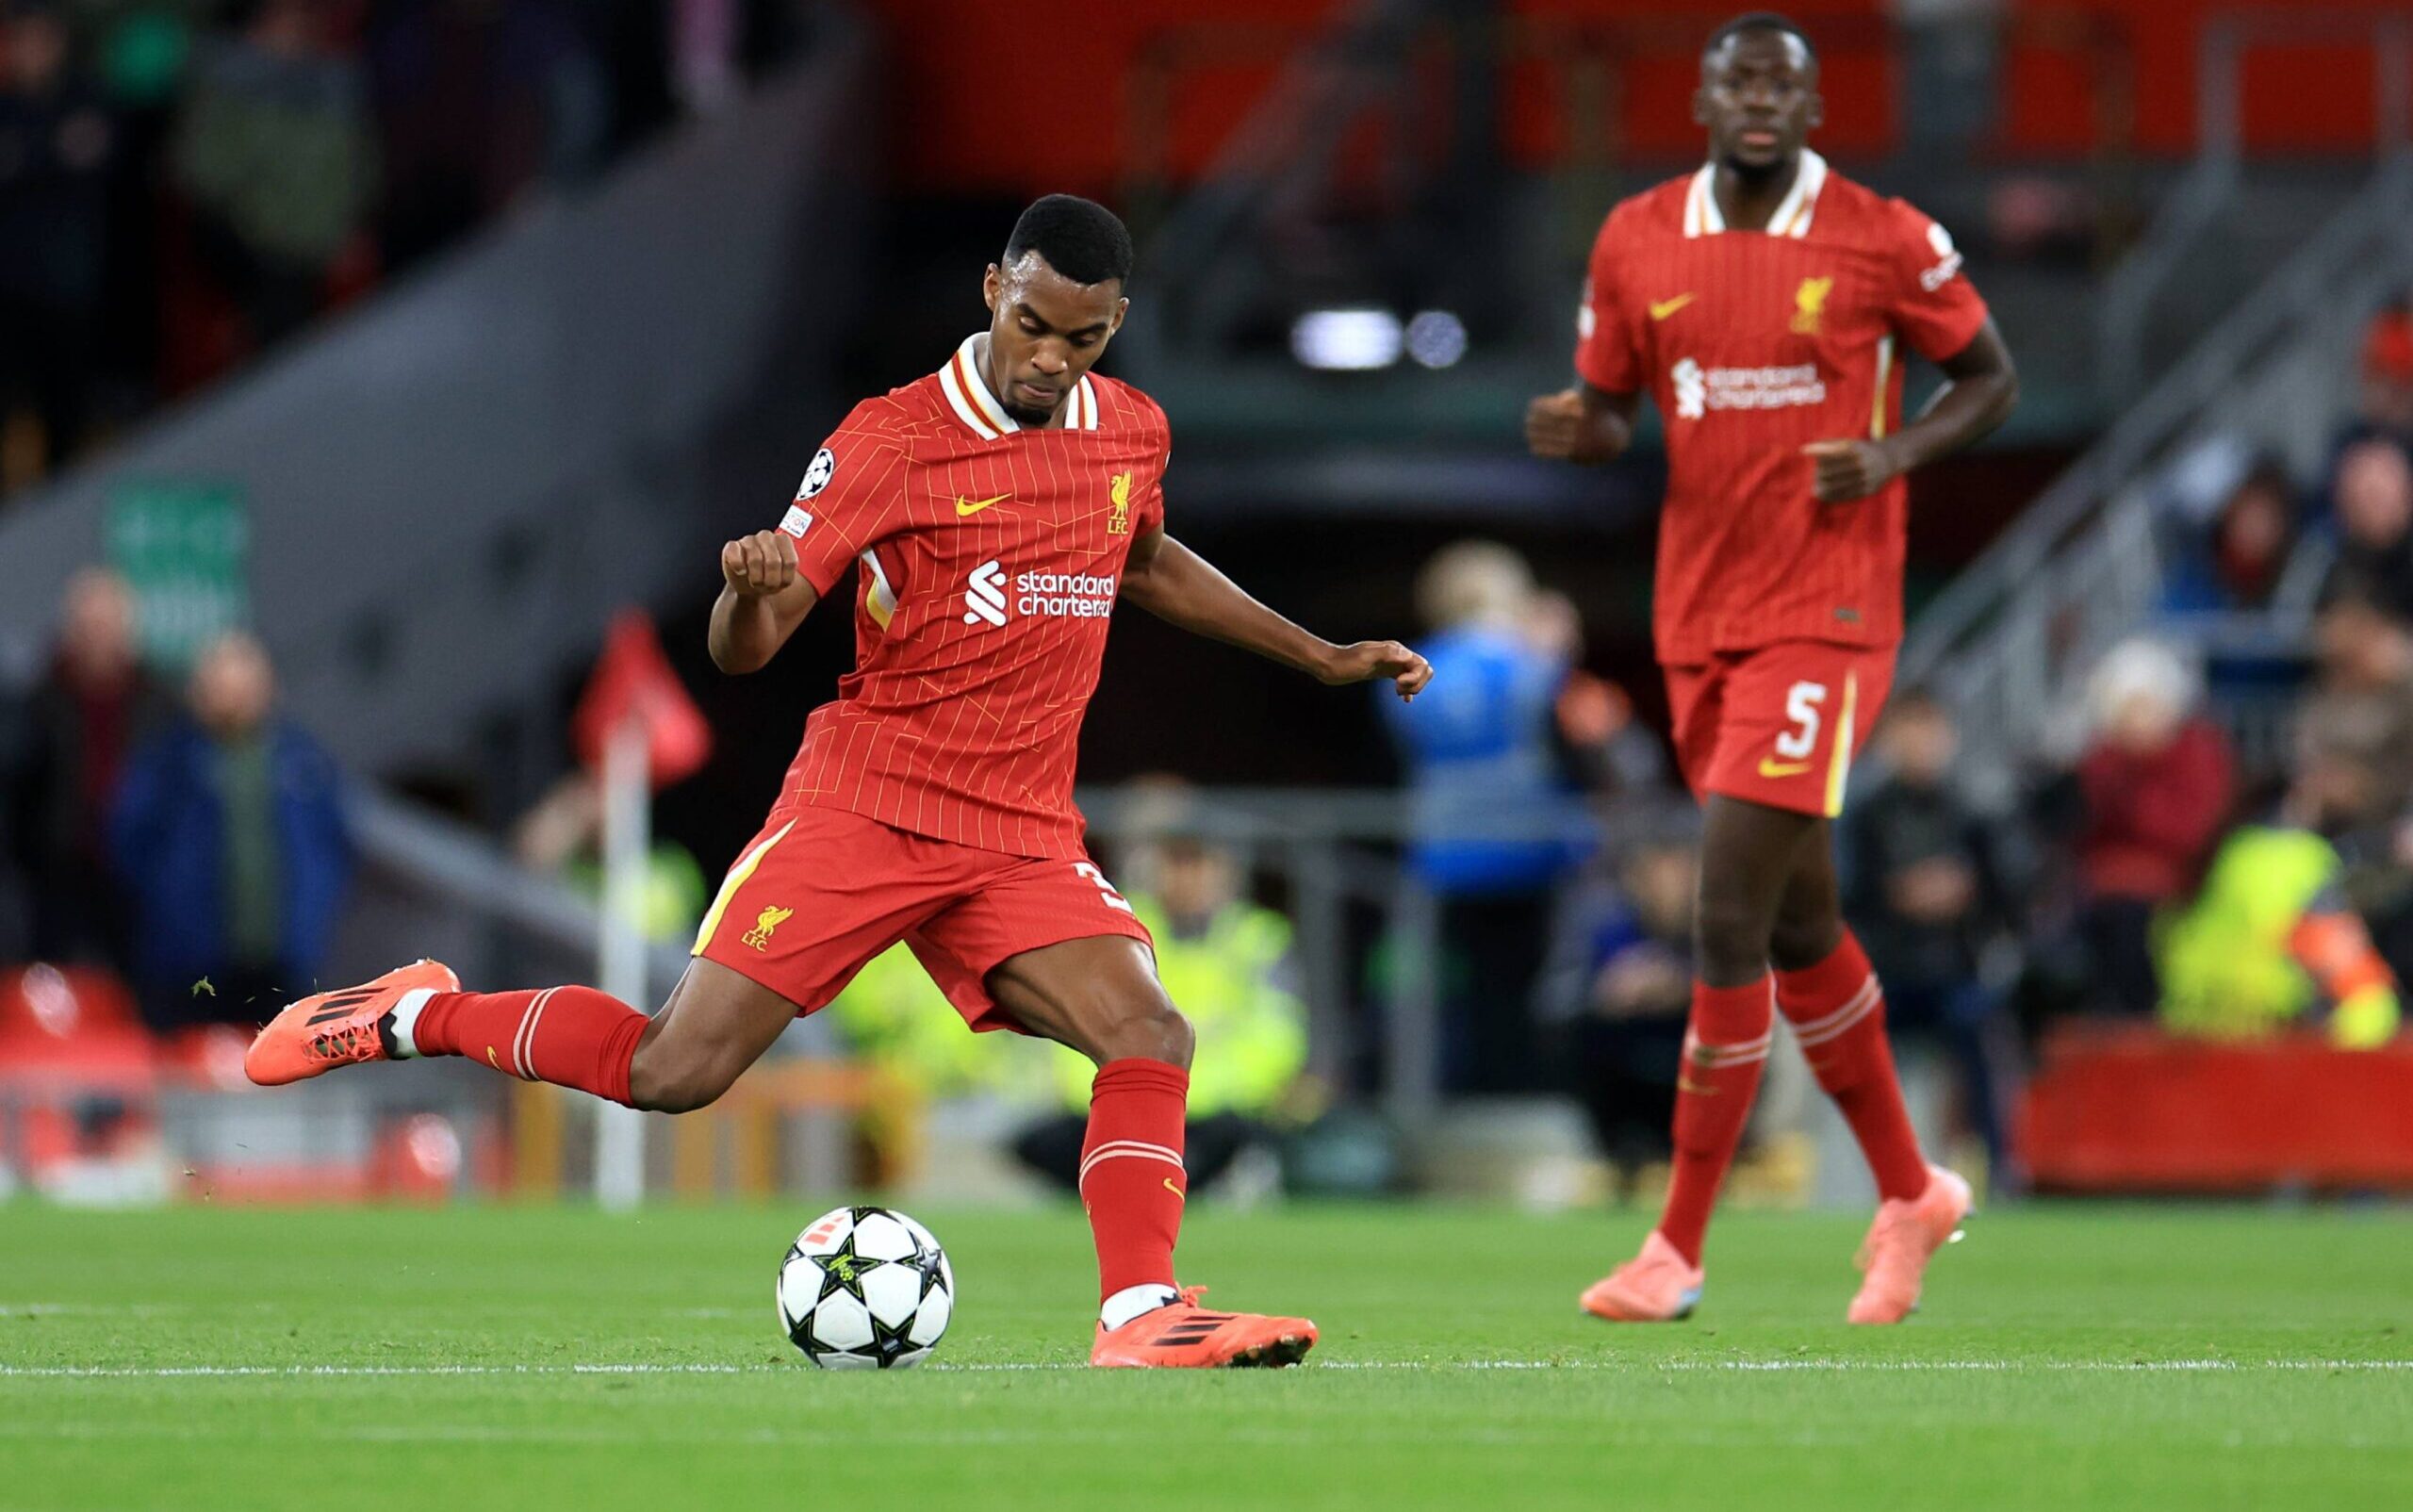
{"type": "Point", "coordinates": [1801, 708]}
{"type": "Point", "coordinates": [1105, 889]}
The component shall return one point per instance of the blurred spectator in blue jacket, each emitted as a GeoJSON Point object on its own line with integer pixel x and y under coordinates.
{"type": "Point", "coordinates": [229, 833]}
{"type": "Point", "coordinates": [1492, 809]}
{"type": "Point", "coordinates": [1494, 821]}
{"type": "Point", "coordinates": [93, 705]}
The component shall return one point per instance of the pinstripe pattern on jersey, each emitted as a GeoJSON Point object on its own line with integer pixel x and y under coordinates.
{"type": "Point", "coordinates": [1754, 344]}
{"type": "Point", "coordinates": [966, 731]}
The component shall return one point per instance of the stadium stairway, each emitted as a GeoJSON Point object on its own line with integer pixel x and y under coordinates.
{"type": "Point", "coordinates": [447, 493]}
{"type": "Point", "coordinates": [2008, 642]}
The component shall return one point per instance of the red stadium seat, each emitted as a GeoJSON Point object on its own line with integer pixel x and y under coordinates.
{"type": "Point", "coordinates": [78, 1072]}
{"type": "Point", "coordinates": [2130, 1109]}
{"type": "Point", "coordinates": [72, 1025]}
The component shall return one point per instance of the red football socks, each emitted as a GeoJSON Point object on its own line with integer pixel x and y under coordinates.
{"type": "Point", "coordinates": [569, 1036]}
{"type": "Point", "coordinates": [1725, 1046]}
{"type": "Point", "coordinates": [1837, 1011]}
{"type": "Point", "coordinates": [1132, 1182]}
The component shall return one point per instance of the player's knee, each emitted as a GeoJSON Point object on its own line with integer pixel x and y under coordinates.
{"type": "Point", "coordinates": [675, 1082]}
{"type": "Point", "coordinates": [1177, 1042]}
{"type": "Point", "coordinates": [1154, 1030]}
{"type": "Point", "coordinates": [1799, 943]}
{"type": "Point", "coordinates": [1729, 934]}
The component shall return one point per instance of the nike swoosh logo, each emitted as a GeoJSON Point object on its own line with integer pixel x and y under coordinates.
{"type": "Point", "coordinates": [964, 507]}
{"type": "Point", "coordinates": [1176, 1192]}
{"type": "Point", "coordinates": [1770, 767]}
{"type": "Point", "coordinates": [1662, 308]}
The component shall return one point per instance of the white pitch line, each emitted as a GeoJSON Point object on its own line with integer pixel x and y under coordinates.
{"type": "Point", "coordinates": [1626, 1367]}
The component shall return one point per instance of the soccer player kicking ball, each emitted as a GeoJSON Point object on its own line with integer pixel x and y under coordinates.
{"type": "Point", "coordinates": [984, 522]}
{"type": "Point", "coordinates": [1759, 302]}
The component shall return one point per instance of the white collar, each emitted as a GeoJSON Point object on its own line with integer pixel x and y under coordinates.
{"type": "Point", "coordinates": [967, 394]}
{"type": "Point", "coordinates": [1702, 218]}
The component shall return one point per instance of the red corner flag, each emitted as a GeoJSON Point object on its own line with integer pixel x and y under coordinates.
{"type": "Point", "coordinates": [633, 679]}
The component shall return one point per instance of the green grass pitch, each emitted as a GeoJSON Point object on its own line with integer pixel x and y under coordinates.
{"type": "Point", "coordinates": [533, 1358]}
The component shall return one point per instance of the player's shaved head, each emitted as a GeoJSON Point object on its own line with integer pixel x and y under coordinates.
{"type": "Point", "coordinates": [1758, 20]}
{"type": "Point", "coordinates": [1758, 95]}
{"type": "Point", "coordinates": [1081, 238]}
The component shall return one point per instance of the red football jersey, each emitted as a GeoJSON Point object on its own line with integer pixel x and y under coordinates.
{"type": "Point", "coordinates": [987, 558]}
{"type": "Point", "coordinates": [1754, 344]}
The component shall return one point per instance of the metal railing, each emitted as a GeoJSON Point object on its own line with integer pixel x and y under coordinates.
{"type": "Point", "coordinates": [1329, 855]}
{"type": "Point", "coordinates": [1327, 851]}
{"type": "Point", "coordinates": [2212, 186]}
{"type": "Point", "coordinates": [2082, 566]}
{"type": "Point", "coordinates": [454, 867]}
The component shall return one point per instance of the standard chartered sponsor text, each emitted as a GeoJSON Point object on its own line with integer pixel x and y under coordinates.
{"type": "Point", "coordinates": [1064, 594]}
{"type": "Point", "coordinates": [1764, 387]}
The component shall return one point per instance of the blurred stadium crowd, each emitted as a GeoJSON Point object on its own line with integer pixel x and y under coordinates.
{"type": "Point", "coordinates": [2176, 862]}
{"type": "Point", "coordinates": [185, 183]}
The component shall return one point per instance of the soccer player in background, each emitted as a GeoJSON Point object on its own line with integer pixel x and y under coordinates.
{"type": "Point", "coordinates": [983, 522]}
{"type": "Point", "coordinates": [1761, 301]}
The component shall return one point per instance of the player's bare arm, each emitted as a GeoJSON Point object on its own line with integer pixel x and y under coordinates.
{"type": "Point", "coordinates": [763, 599]}
{"type": "Point", "coordinates": [1983, 388]}
{"type": "Point", "coordinates": [1581, 424]}
{"type": "Point", "coordinates": [1179, 587]}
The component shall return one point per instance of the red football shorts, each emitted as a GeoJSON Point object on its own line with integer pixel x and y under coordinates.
{"type": "Point", "coordinates": [1778, 725]}
{"type": "Point", "coordinates": [819, 892]}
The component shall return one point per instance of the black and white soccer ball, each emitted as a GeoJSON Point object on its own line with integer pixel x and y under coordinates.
{"type": "Point", "coordinates": [864, 1288]}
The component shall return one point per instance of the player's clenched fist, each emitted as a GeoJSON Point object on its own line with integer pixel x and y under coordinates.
{"type": "Point", "coordinates": [759, 565]}
{"type": "Point", "coordinates": [1847, 470]}
{"type": "Point", "coordinates": [1556, 427]}
{"type": "Point", "coordinates": [1367, 660]}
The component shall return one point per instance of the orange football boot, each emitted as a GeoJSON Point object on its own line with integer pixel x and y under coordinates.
{"type": "Point", "coordinates": [1182, 1335]}
{"type": "Point", "coordinates": [339, 1028]}
{"type": "Point", "coordinates": [1656, 1286]}
{"type": "Point", "coordinates": [1906, 1234]}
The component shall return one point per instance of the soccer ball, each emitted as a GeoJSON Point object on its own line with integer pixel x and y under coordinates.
{"type": "Point", "coordinates": [865, 1288]}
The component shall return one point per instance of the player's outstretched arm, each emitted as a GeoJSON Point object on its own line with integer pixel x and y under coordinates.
{"type": "Point", "coordinates": [1179, 587]}
{"type": "Point", "coordinates": [763, 599]}
{"type": "Point", "coordinates": [1581, 424]}
{"type": "Point", "coordinates": [1984, 389]}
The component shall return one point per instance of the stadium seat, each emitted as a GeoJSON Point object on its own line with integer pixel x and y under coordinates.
{"type": "Point", "coordinates": [78, 1073]}
{"type": "Point", "coordinates": [2129, 1109]}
